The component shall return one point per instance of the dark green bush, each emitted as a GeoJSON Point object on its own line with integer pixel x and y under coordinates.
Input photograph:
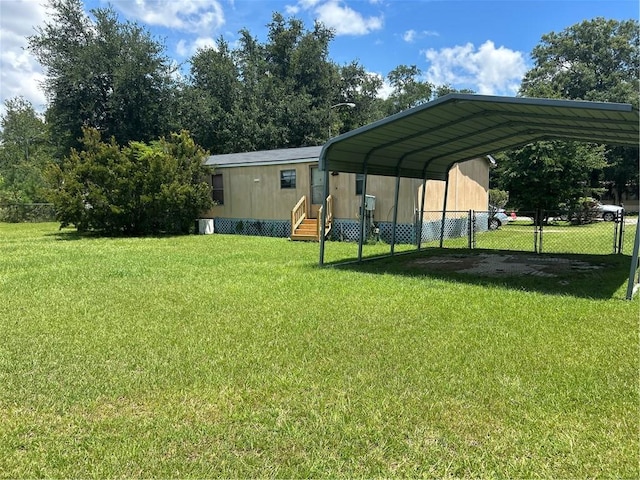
{"type": "Point", "coordinates": [138, 189]}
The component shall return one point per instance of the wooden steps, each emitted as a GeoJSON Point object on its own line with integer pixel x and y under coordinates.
{"type": "Point", "coordinates": [307, 230]}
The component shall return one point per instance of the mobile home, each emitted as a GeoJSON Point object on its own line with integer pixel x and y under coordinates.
{"type": "Point", "coordinates": [259, 193]}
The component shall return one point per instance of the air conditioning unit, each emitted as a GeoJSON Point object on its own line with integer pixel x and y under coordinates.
{"type": "Point", "coordinates": [205, 226]}
{"type": "Point", "coordinates": [370, 203]}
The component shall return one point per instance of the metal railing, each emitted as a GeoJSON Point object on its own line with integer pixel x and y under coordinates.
{"type": "Point", "coordinates": [539, 232]}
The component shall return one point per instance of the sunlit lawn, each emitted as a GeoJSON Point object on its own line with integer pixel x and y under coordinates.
{"type": "Point", "coordinates": [557, 237]}
{"type": "Point", "coordinates": [231, 356]}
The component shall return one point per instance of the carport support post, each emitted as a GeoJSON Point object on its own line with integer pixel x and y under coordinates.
{"type": "Point", "coordinates": [364, 197]}
{"type": "Point", "coordinates": [325, 194]}
{"type": "Point", "coordinates": [395, 215]}
{"type": "Point", "coordinates": [631, 287]}
{"type": "Point", "coordinates": [421, 220]}
{"type": "Point", "coordinates": [444, 209]}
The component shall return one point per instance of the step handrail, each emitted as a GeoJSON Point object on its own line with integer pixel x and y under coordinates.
{"type": "Point", "coordinates": [298, 214]}
{"type": "Point", "coordinates": [329, 210]}
{"type": "Point", "coordinates": [323, 230]}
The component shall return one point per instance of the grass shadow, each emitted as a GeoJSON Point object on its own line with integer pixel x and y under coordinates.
{"type": "Point", "coordinates": [72, 235]}
{"type": "Point", "coordinates": [577, 275]}
{"type": "Point", "coordinates": [69, 235]}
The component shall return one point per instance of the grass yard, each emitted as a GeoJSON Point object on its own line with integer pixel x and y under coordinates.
{"type": "Point", "coordinates": [558, 237]}
{"type": "Point", "coordinates": [232, 356]}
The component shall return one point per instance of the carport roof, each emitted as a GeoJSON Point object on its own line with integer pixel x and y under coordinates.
{"type": "Point", "coordinates": [424, 141]}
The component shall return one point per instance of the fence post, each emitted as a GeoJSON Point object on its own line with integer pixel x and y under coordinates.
{"type": "Point", "coordinates": [535, 231]}
{"type": "Point", "coordinates": [615, 234]}
{"type": "Point", "coordinates": [620, 220]}
{"type": "Point", "coordinates": [540, 231]}
{"type": "Point", "coordinates": [470, 229]}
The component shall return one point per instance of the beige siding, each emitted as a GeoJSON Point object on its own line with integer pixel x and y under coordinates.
{"type": "Point", "coordinates": [254, 192]}
{"type": "Point", "coordinates": [347, 203]}
{"type": "Point", "coordinates": [468, 188]}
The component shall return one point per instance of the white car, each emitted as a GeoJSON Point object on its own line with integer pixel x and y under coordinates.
{"type": "Point", "coordinates": [498, 219]}
{"type": "Point", "coordinates": [609, 212]}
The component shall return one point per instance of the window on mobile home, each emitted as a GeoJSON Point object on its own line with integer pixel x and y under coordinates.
{"type": "Point", "coordinates": [217, 189]}
{"type": "Point", "coordinates": [287, 179]}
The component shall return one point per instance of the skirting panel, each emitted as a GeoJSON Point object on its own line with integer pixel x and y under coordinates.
{"type": "Point", "coordinates": [347, 230]}
{"type": "Point", "coordinates": [247, 226]}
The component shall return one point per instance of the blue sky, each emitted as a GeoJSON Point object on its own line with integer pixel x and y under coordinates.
{"type": "Point", "coordinates": [483, 45]}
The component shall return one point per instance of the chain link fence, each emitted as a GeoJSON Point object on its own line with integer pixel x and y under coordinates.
{"type": "Point", "coordinates": [539, 232]}
{"type": "Point", "coordinates": [27, 212]}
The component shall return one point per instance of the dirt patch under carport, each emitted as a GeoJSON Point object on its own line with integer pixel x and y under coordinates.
{"type": "Point", "coordinates": [504, 264]}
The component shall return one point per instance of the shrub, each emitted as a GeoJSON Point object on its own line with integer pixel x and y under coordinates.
{"type": "Point", "coordinates": [137, 189]}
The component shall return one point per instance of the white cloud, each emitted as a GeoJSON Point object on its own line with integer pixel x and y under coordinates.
{"type": "Point", "coordinates": [291, 9]}
{"type": "Point", "coordinates": [187, 49]}
{"type": "Point", "coordinates": [202, 16]}
{"type": "Point", "coordinates": [346, 21]}
{"type": "Point", "coordinates": [488, 70]}
{"type": "Point", "coordinates": [411, 36]}
{"type": "Point", "coordinates": [20, 73]}
{"type": "Point", "coordinates": [386, 89]}
{"type": "Point", "coordinates": [335, 14]}
{"type": "Point", "coordinates": [306, 4]}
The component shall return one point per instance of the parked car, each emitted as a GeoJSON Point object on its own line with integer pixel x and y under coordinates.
{"type": "Point", "coordinates": [498, 219]}
{"type": "Point", "coordinates": [608, 212]}
{"type": "Point", "coordinates": [588, 210]}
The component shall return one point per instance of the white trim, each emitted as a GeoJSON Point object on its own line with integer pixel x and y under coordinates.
{"type": "Point", "coordinates": [263, 164]}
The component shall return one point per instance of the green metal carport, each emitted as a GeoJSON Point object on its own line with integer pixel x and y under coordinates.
{"type": "Point", "coordinates": [424, 142]}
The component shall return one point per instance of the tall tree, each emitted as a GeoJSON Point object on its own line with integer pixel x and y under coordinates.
{"type": "Point", "coordinates": [361, 88]}
{"type": "Point", "coordinates": [442, 90]}
{"type": "Point", "coordinates": [24, 153]}
{"type": "Point", "coordinates": [545, 175]}
{"type": "Point", "coordinates": [253, 118]}
{"type": "Point", "coordinates": [409, 90]}
{"type": "Point", "coordinates": [595, 60]}
{"type": "Point", "coordinates": [263, 95]}
{"type": "Point", "coordinates": [207, 101]}
{"type": "Point", "coordinates": [101, 73]}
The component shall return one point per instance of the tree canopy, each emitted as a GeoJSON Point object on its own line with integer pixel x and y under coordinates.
{"type": "Point", "coordinates": [595, 60]}
{"type": "Point", "coordinates": [546, 175]}
{"type": "Point", "coordinates": [24, 153]}
{"type": "Point", "coordinates": [281, 93]}
{"type": "Point", "coordinates": [263, 95]}
{"type": "Point", "coordinates": [104, 74]}
{"type": "Point", "coordinates": [115, 77]}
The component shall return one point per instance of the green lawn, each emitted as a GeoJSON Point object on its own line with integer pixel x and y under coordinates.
{"type": "Point", "coordinates": [232, 356]}
{"type": "Point", "coordinates": [558, 237]}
